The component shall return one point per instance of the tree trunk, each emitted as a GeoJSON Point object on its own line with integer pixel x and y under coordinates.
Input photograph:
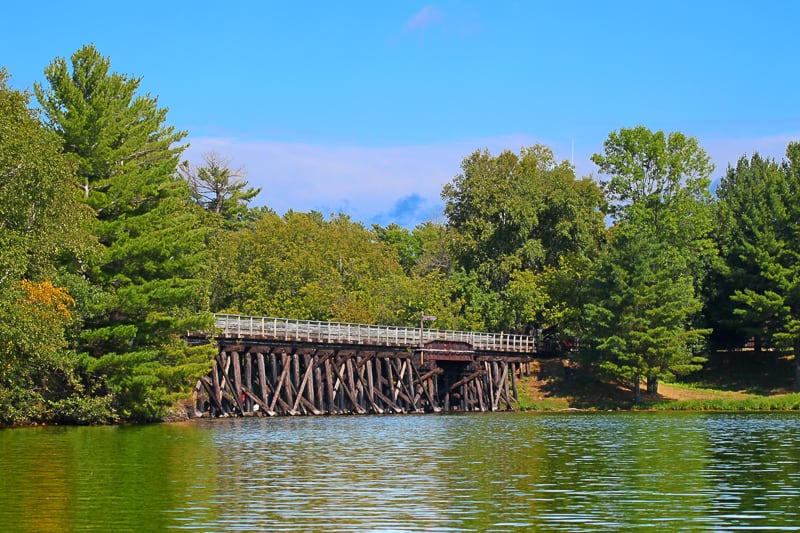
{"type": "Point", "coordinates": [652, 385]}
{"type": "Point", "coordinates": [637, 388]}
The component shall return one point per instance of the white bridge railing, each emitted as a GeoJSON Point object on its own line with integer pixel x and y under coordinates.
{"type": "Point", "coordinates": [237, 326]}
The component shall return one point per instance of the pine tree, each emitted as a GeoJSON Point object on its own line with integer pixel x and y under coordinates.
{"type": "Point", "coordinates": [642, 320]}
{"type": "Point", "coordinates": [759, 207]}
{"type": "Point", "coordinates": [150, 286]}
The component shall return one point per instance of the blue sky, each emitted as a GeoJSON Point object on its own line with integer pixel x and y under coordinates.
{"type": "Point", "coordinates": [368, 107]}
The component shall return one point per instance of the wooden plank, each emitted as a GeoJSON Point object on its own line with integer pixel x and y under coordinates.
{"type": "Point", "coordinates": [318, 383]}
{"type": "Point", "coordinates": [217, 386]}
{"type": "Point", "coordinates": [410, 386]}
{"type": "Point", "coordinates": [467, 379]}
{"type": "Point", "coordinates": [310, 393]}
{"type": "Point", "coordinates": [273, 367]}
{"type": "Point", "coordinates": [504, 387]}
{"type": "Point", "coordinates": [393, 406]}
{"type": "Point", "coordinates": [351, 381]}
{"type": "Point", "coordinates": [310, 406]}
{"type": "Point", "coordinates": [514, 380]}
{"type": "Point", "coordinates": [371, 388]}
{"type": "Point", "coordinates": [492, 402]}
{"type": "Point", "coordinates": [390, 378]}
{"type": "Point", "coordinates": [481, 402]}
{"type": "Point", "coordinates": [296, 367]}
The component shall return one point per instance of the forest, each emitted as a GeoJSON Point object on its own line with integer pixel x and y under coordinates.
{"type": "Point", "coordinates": [112, 248]}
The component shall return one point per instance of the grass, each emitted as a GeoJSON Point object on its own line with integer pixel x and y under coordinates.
{"type": "Point", "coordinates": [730, 382]}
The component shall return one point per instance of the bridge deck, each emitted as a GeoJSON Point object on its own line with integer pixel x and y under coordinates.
{"type": "Point", "coordinates": [285, 329]}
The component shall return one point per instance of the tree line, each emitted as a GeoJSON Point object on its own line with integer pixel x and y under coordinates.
{"type": "Point", "coordinates": [112, 248]}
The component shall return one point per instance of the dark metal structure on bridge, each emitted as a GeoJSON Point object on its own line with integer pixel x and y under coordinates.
{"type": "Point", "coordinates": [277, 366]}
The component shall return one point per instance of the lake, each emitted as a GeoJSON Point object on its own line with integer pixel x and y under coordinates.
{"type": "Point", "coordinates": [468, 472]}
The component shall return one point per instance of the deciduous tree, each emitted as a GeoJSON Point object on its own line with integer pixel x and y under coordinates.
{"type": "Point", "coordinates": [517, 213]}
{"type": "Point", "coordinates": [41, 221]}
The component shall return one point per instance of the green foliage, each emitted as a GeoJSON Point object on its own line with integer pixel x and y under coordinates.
{"type": "Point", "coordinates": [641, 320]}
{"type": "Point", "coordinates": [407, 244]}
{"type": "Point", "coordinates": [220, 189]}
{"type": "Point", "coordinates": [302, 266]}
{"type": "Point", "coordinates": [758, 287]}
{"type": "Point", "coordinates": [512, 217]}
{"type": "Point", "coordinates": [41, 222]}
{"type": "Point", "coordinates": [150, 286]}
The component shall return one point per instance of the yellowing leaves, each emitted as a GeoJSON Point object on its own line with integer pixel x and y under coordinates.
{"type": "Point", "coordinates": [47, 301]}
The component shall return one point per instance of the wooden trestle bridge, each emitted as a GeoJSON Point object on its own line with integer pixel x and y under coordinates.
{"type": "Point", "coordinates": [278, 366]}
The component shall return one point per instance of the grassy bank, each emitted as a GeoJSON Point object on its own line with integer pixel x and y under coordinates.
{"type": "Point", "coordinates": [558, 385]}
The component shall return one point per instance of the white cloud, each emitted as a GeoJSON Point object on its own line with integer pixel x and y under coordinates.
{"type": "Point", "coordinates": [402, 183]}
{"type": "Point", "coordinates": [371, 184]}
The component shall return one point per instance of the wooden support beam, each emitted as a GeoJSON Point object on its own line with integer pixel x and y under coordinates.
{"type": "Point", "coordinates": [281, 380]}
{"type": "Point", "coordinates": [467, 379]}
{"type": "Point", "coordinates": [306, 376]}
{"type": "Point", "coordinates": [262, 404]}
{"type": "Point", "coordinates": [346, 389]}
{"type": "Point", "coordinates": [248, 380]}
{"type": "Point", "coordinates": [514, 380]}
{"type": "Point", "coordinates": [329, 386]}
{"type": "Point", "coordinates": [262, 377]}
{"type": "Point", "coordinates": [481, 403]}
{"type": "Point", "coordinates": [318, 382]}
{"type": "Point", "coordinates": [393, 406]}
{"type": "Point", "coordinates": [217, 388]}
{"type": "Point", "coordinates": [211, 390]}
{"type": "Point", "coordinates": [490, 386]}
{"type": "Point", "coordinates": [237, 381]}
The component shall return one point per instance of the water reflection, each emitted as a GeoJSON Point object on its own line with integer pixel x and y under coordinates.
{"type": "Point", "coordinates": [498, 472]}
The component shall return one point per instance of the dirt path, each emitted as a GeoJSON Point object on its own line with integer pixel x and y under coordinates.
{"type": "Point", "coordinates": [680, 393]}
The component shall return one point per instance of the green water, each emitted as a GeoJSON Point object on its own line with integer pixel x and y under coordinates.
{"type": "Point", "coordinates": [482, 472]}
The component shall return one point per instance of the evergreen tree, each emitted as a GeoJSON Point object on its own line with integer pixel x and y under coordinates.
{"type": "Point", "coordinates": [759, 209]}
{"type": "Point", "coordinates": [220, 189]}
{"type": "Point", "coordinates": [642, 320]}
{"type": "Point", "coordinates": [150, 286]}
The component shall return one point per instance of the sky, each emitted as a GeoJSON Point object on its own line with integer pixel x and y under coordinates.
{"type": "Point", "coordinates": [368, 107]}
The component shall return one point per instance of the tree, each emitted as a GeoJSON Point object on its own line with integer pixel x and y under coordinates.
{"type": "Point", "coordinates": [150, 286]}
{"type": "Point", "coordinates": [220, 189]}
{"type": "Point", "coordinates": [519, 213]}
{"type": "Point", "coordinates": [758, 210]}
{"type": "Point", "coordinates": [41, 221]}
{"type": "Point", "coordinates": [661, 182]}
{"type": "Point", "coordinates": [639, 318]}
{"type": "Point", "coordinates": [642, 320]}
{"type": "Point", "coordinates": [407, 244]}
